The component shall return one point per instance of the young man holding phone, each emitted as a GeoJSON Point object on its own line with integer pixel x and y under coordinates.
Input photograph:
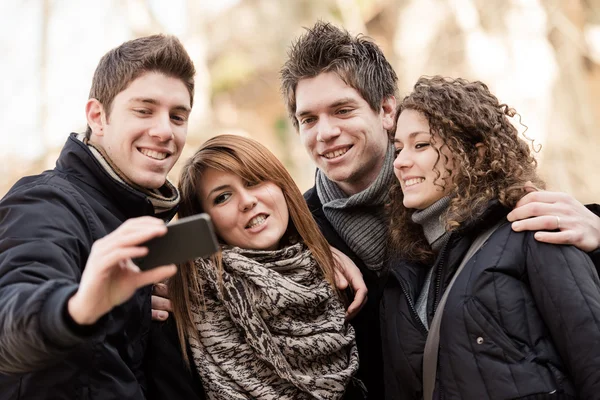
{"type": "Point", "coordinates": [74, 308]}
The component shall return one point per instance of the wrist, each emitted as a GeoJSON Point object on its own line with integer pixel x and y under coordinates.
{"type": "Point", "coordinates": [80, 314]}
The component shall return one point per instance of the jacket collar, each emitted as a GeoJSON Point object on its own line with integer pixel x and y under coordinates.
{"type": "Point", "coordinates": [77, 161]}
{"type": "Point", "coordinates": [493, 212]}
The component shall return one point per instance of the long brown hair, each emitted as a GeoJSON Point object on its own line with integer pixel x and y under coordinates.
{"type": "Point", "coordinates": [254, 163]}
{"type": "Point", "coordinates": [462, 114]}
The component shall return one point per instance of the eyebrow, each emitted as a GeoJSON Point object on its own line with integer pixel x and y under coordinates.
{"type": "Point", "coordinates": [340, 102]}
{"type": "Point", "coordinates": [155, 102]}
{"type": "Point", "coordinates": [412, 135]}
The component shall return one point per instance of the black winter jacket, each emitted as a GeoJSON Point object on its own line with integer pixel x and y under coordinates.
{"type": "Point", "coordinates": [366, 323]}
{"type": "Point", "coordinates": [48, 224]}
{"type": "Point", "coordinates": [522, 320]}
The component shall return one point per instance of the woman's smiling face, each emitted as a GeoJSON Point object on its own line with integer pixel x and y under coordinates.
{"type": "Point", "coordinates": [250, 215]}
{"type": "Point", "coordinates": [416, 158]}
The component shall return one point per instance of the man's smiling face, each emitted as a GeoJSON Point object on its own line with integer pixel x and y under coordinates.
{"type": "Point", "coordinates": [346, 139]}
{"type": "Point", "coordinates": [146, 128]}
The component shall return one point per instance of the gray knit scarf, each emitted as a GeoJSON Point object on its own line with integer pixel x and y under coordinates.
{"type": "Point", "coordinates": [163, 199]}
{"type": "Point", "coordinates": [271, 328]}
{"type": "Point", "coordinates": [435, 232]}
{"type": "Point", "coordinates": [360, 219]}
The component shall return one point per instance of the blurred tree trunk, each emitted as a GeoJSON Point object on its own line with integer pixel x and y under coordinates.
{"type": "Point", "coordinates": [570, 161]}
{"type": "Point", "coordinates": [42, 130]}
{"type": "Point", "coordinates": [195, 41]}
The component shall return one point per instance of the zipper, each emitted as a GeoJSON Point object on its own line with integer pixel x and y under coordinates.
{"type": "Point", "coordinates": [438, 276]}
{"type": "Point", "coordinates": [422, 327]}
{"type": "Point", "coordinates": [436, 299]}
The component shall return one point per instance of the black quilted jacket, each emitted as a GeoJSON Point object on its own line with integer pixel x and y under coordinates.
{"type": "Point", "coordinates": [522, 321]}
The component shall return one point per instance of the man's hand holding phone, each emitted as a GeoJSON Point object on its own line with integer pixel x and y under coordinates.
{"type": "Point", "coordinates": [140, 252]}
{"type": "Point", "coordinates": [110, 277]}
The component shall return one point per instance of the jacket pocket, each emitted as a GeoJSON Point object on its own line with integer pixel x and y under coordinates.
{"type": "Point", "coordinates": [488, 335]}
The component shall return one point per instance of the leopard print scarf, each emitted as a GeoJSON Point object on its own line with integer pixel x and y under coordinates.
{"type": "Point", "coordinates": [271, 328]}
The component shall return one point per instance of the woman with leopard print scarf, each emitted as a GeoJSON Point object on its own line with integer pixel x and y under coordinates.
{"type": "Point", "coordinates": [262, 319]}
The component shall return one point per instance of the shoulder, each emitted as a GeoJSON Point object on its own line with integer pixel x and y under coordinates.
{"type": "Point", "coordinates": [47, 188]}
{"type": "Point", "coordinates": [46, 200]}
{"type": "Point", "coordinates": [48, 182]}
{"type": "Point", "coordinates": [557, 260]}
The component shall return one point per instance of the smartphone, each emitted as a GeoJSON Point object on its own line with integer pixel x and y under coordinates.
{"type": "Point", "coordinates": [186, 239]}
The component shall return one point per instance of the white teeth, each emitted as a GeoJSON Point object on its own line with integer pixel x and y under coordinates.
{"type": "Point", "coordinates": [259, 219]}
{"type": "Point", "coordinates": [336, 153]}
{"type": "Point", "coordinates": [413, 181]}
{"type": "Point", "coordinates": [153, 154]}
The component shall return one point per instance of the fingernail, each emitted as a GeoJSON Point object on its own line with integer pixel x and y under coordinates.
{"type": "Point", "coordinates": [516, 226]}
{"type": "Point", "coordinates": [163, 315]}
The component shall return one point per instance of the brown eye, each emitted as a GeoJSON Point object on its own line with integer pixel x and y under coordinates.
{"type": "Point", "coordinates": [306, 121]}
{"type": "Point", "coordinates": [222, 198]}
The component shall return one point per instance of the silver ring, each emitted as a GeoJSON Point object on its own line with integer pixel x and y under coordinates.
{"type": "Point", "coordinates": [557, 222]}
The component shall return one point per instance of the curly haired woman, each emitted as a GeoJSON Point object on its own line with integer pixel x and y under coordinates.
{"type": "Point", "coordinates": [522, 319]}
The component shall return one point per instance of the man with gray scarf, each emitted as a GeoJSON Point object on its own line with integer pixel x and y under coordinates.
{"type": "Point", "coordinates": [340, 93]}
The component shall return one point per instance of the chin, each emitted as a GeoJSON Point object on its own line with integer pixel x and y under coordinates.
{"type": "Point", "coordinates": [338, 176]}
{"type": "Point", "coordinates": [413, 205]}
{"type": "Point", "coordinates": [151, 183]}
{"type": "Point", "coordinates": [267, 246]}
{"type": "Point", "coordinates": [270, 247]}
{"type": "Point", "coordinates": [407, 203]}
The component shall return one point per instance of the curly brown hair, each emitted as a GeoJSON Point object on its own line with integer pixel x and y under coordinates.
{"type": "Point", "coordinates": [462, 114]}
{"type": "Point", "coordinates": [358, 61]}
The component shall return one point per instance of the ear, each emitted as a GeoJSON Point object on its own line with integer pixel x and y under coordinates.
{"type": "Point", "coordinates": [94, 111]}
{"type": "Point", "coordinates": [388, 106]}
{"type": "Point", "coordinates": [480, 151]}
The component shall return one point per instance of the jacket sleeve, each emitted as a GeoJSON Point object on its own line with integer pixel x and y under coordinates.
{"type": "Point", "coordinates": [566, 289]}
{"type": "Point", "coordinates": [44, 245]}
{"type": "Point", "coordinates": [595, 255]}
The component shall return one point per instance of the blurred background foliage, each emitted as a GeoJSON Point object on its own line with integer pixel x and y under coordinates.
{"type": "Point", "coordinates": [541, 57]}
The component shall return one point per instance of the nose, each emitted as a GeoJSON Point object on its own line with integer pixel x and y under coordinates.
{"type": "Point", "coordinates": [162, 128]}
{"type": "Point", "coordinates": [248, 201]}
{"type": "Point", "coordinates": [327, 130]}
{"type": "Point", "coordinates": [403, 160]}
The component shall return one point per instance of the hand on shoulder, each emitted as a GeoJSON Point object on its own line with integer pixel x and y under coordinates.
{"type": "Point", "coordinates": [558, 217]}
